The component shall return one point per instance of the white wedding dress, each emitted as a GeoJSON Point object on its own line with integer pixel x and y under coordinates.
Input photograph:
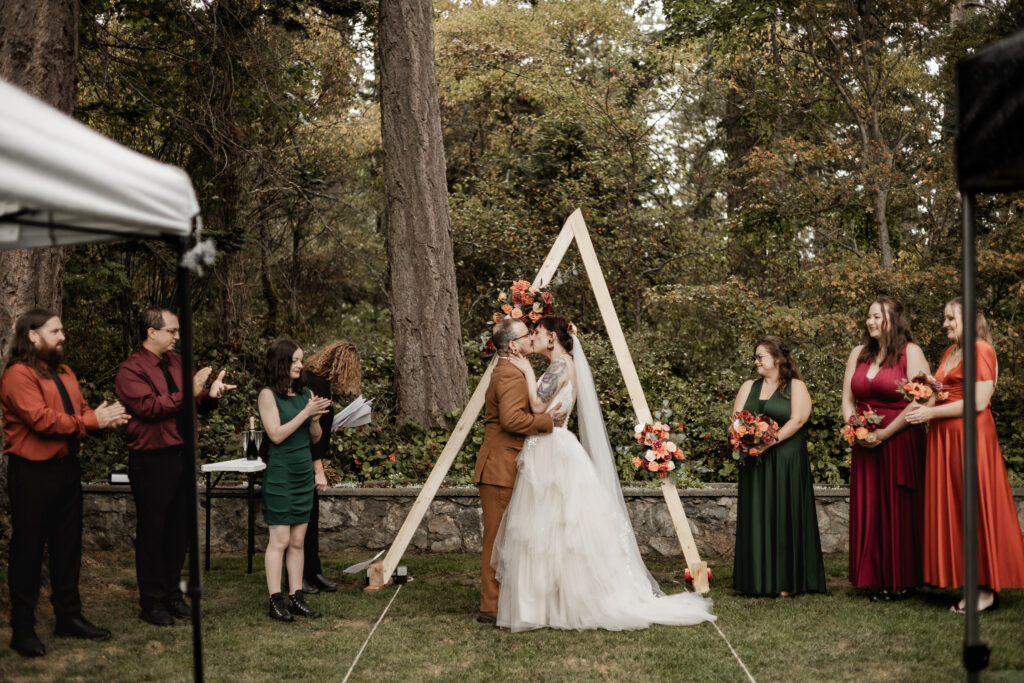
{"type": "Point", "coordinates": [565, 554]}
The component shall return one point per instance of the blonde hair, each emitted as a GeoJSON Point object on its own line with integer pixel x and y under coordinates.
{"type": "Point", "coordinates": [338, 362]}
{"type": "Point", "coordinates": [981, 325]}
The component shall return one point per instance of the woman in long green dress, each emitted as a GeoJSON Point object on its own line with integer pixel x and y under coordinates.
{"type": "Point", "coordinates": [778, 550]}
{"type": "Point", "coordinates": [289, 412]}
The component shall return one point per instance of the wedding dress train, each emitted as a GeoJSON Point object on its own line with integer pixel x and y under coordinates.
{"type": "Point", "coordinates": [565, 555]}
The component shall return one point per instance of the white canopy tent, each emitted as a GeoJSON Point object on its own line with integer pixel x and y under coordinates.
{"type": "Point", "coordinates": [62, 183]}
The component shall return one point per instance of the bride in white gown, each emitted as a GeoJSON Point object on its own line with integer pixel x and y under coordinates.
{"type": "Point", "coordinates": [565, 555]}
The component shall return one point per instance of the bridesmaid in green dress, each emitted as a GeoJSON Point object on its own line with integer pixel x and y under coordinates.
{"type": "Point", "coordinates": [778, 550]}
{"type": "Point", "coordinates": [289, 412]}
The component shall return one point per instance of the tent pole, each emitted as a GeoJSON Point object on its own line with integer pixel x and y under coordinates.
{"type": "Point", "coordinates": [195, 589]}
{"type": "Point", "coordinates": [975, 652]}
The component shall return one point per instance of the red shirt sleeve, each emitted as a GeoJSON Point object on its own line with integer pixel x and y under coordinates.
{"type": "Point", "coordinates": [23, 394]}
{"type": "Point", "coordinates": [135, 390]}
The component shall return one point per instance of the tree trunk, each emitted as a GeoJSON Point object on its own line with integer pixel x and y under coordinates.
{"type": "Point", "coordinates": [38, 53]}
{"type": "Point", "coordinates": [430, 370]}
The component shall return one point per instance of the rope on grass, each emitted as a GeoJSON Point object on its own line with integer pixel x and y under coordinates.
{"type": "Point", "coordinates": [372, 630]}
{"type": "Point", "coordinates": [744, 666]}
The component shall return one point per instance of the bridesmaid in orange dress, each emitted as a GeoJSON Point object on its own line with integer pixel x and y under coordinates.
{"type": "Point", "coordinates": [1000, 545]}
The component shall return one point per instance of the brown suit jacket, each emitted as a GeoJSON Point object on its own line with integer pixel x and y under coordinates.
{"type": "Point", "coordinates": [507, 423]}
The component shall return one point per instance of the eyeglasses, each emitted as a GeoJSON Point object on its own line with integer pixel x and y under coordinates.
{"type": "Point", "coordinates": [761, 358]}
{"type": "Point", "coordinates": [173, 331]}
{"type": "Point", "coordinates": [528, 334]}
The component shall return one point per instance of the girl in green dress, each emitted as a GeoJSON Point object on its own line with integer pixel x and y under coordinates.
{"type": "Point", "coordinates": [289, 412]}
{"type": "Point", "coordinates": [778, 550]}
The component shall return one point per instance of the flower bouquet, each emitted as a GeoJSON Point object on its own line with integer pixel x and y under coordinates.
{"type": "Point", "coordinates": [523, 302]}
{"type": "Point", "coordinates": [861, 427]}
{"type": "Point", "coordinates": [921, 389]}
{"type": "Point", "coordinates": [751, 434]}
{"type": "Point", "coordinates": [658, 454]}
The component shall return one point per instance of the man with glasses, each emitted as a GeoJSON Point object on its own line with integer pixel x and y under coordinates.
{"type": "Point", "coordinates": [149, 384]}
{"type": "Point", "coordinates": [507, 423]}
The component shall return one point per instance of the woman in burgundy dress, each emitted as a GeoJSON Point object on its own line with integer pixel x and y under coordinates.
{"type": "Point", "coordinates": [887, 468]}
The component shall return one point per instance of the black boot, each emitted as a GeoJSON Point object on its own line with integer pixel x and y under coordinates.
{"type": "Point", "coordinates": [324, 584]}
{"type": "Point", "coordinates": [279, 609]}
{"type": "Point", "coordinates": [298, 606]}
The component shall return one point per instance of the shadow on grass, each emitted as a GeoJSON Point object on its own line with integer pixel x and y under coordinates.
{"type": "Point", "coordinates": [430, 633]}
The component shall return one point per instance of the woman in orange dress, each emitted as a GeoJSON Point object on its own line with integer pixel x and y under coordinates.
{"type": "Point", "coordinates": [1000, 545]}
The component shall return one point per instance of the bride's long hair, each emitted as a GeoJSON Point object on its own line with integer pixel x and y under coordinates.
{"type": "Point", "coordinates": [558, 324]}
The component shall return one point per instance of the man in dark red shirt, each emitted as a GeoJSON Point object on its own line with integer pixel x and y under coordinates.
{"type": "Point", "coordinates": [44, 419]}
{"type": "Point", "coordinates": [149, 383]}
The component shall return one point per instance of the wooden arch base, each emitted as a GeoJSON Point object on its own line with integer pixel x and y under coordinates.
{"type": "Point", "coordinates": [380, 572]}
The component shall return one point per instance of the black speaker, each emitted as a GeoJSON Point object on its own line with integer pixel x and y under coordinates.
{"type": "Point", "coordinates": [990, 118]}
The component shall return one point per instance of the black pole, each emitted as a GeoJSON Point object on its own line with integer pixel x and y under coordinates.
{"type": "Point", "coordinates": [195, 589]}
{"type": "Point", "coordinates": [975, 652]}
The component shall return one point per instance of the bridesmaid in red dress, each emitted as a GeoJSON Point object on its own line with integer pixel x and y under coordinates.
{"type": "Point", "coordinates": [887, 469]}
{"type": "Point", "coordinates": [1000, 545]}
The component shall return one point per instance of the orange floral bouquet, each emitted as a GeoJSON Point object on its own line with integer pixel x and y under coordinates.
{"type": "Point", "coordinates": [523, 302]}
{"type": "Point", "coordinates": [861, 426]}
{"type": "Point", "coordinates": [657, 454]}
{"type": "Point", "coordinates": [750, 435]}
{"type": "Point", "coordinates": [921, 389]}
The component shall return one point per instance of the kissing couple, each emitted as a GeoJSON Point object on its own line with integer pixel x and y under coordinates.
{"type": "Point", "coordinates": [558, 547]}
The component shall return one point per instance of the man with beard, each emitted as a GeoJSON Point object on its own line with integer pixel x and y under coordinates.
{"type": "Point", "coordinates": [45, 416]}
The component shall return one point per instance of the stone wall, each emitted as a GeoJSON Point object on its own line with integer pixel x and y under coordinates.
{"type": "Point", "coordinates": [369, 519]}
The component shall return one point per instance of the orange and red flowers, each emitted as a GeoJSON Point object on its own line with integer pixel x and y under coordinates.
{"type": "Point", "coordinates": [921, 389]}
{"type": "Point", "coordinates": [658, 453]}
{"type": "Point", "coordinates": [751, 435]}
{"type": "Point", "coordinates": [860, 427]}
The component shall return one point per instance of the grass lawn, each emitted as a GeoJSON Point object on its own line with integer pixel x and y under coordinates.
{"type": "Point", "coordinates": [430, 633]}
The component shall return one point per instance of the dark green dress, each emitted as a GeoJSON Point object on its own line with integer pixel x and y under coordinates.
{"type": "Point", "coordinates": [777, 543]}
{"type": "Point", "coordinates": [288, 480]}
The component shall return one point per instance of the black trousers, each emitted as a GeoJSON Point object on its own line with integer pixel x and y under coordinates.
{"type": "Point", "coordinates": [160, 481]}
{"type": "Point", "coordinates": [311, 546]}
{"type": "Point", "coordinates": [46, 509]}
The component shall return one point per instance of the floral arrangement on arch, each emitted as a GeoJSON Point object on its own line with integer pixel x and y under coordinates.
{"type": "Point", "coordinates": [658, 455]}
{"type": "Point", "coordinates": [523, 302]}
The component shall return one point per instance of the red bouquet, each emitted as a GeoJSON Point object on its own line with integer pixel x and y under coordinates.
{"type": "Point", "coordinates": [861, 426]}
{"type": "Point", "coordinates": [751, 434]}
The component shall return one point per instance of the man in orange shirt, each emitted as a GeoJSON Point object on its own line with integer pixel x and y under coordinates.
{"type": "Point", "coordinates": [45, 416]}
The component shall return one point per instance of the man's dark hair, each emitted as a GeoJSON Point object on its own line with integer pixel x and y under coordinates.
{"type": "Point", "coordinates": [503, 333]}
{"type": "Point", "coordinates": [22, 348]}
{"type": "Point", "coordinates": [278, 368]}
{"type": "Point", "coordinates": [151, 317]}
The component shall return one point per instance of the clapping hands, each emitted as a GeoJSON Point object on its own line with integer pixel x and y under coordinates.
{"type": "Point", "coordinates": [111, 415]}
{"type": "Point", "coordinates": [317, 406]}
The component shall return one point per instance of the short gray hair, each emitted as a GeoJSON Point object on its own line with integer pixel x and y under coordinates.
{"type": "Point", "coordinates": [503, 334]}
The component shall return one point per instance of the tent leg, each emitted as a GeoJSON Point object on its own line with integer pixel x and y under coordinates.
{"type": "Point", "coordinates": [975, 652]}
{"type": "Point", "coordinates": [195, 589]}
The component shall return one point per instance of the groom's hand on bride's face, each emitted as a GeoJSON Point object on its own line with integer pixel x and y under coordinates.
{"type": "Point", "coordinates": [558, 415]}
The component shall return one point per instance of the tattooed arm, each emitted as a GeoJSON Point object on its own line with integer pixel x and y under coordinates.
{"type": "Point", "coordinates": [553, 379]}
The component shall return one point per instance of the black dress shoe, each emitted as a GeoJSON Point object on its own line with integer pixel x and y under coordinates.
{"type": "Point", "coordinates": [79, 627]}
{"type": "Point", "coordinates": [178, 608]}
{"type": "Point", "coordinates": [279, 608]}
{"type": "Point", "coordinates": [298, 606]}
{"type": "Point", "coordinates": [309, 588]}
{"type": "Point", "coordinates": [324, 584]}
{"type": "Point", "coordinates": [27, 644]}
{"type": "Point", "coordinates": [157, 615]}
{"type": "Point", "coordinates": [487, 617]}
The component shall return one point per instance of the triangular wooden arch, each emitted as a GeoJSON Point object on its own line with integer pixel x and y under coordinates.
{"type": "Point", "coordinates": [574, 229]}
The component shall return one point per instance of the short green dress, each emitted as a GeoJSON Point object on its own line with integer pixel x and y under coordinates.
{"type": "Point", "coordinates": [288, 480]}
{"type": "Point", "coordinates": [777, 543]}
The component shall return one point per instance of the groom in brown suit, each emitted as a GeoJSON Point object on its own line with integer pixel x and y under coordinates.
{"type": "Point", "coordinates": [507, 423]}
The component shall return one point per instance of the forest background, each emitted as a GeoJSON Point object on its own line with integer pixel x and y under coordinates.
{"type": "Point", "coordinates": [744, 168]}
